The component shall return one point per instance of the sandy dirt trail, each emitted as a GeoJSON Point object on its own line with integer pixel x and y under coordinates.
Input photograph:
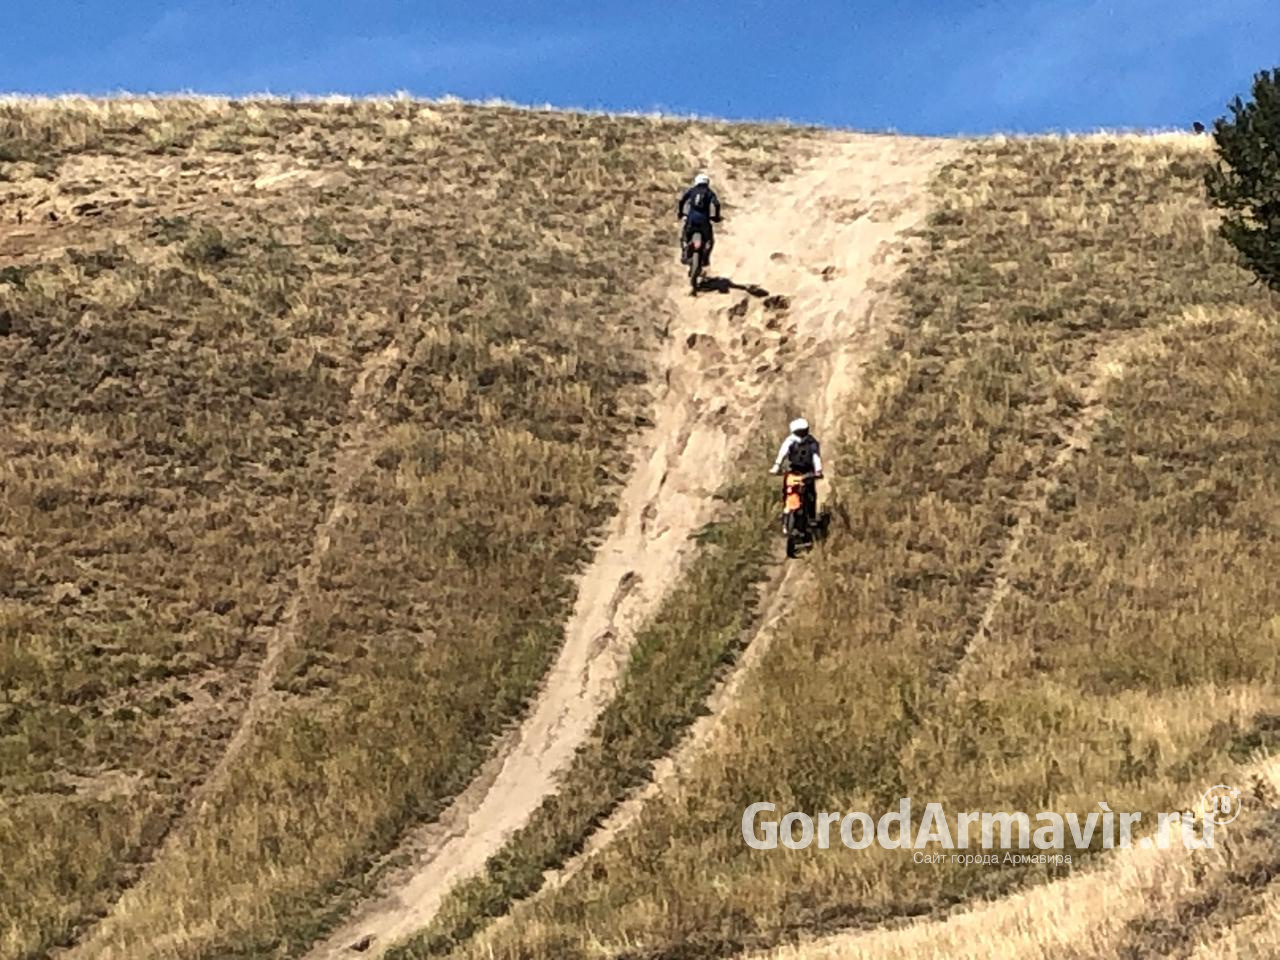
{"type": "Point", "coordinates": [874, 209]}
{"type": "Point", "coordinates": [793, 314]}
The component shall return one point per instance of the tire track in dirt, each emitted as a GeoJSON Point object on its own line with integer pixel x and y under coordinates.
{"type": "Point", "coordinates": [835, 377]}
{"type": "Point", "coordinates": [351, 458]}
{"type": "Point", "coordinates": [802, 307]}
{"type": "Point", "coordinates": [1106, 365]}
{"type": "Point", "coordinates": [1095, 903]}
{"type": "Point", "coordinates": [350, 462]}
{"type": "Point", "coordinates": [788, 582]}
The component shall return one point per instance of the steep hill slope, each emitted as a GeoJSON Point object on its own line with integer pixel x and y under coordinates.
{"type": "Point", "coordinates": [377, 516]}
{"type": "Point", "coordinates": [309, 431]}
{"type": "Point", "coordinates": [1052, 591]}
{"type": "Point", "coordinates": [804, 278]}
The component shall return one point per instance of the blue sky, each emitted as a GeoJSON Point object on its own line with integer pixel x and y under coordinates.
{"type": "Point", "coordinates": [917, 66]}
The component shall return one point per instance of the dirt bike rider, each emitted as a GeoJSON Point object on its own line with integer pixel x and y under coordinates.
{"type": "Point", "coordinates": [699, 207]}
{"type": "Point", "coordinates": [803, 454]}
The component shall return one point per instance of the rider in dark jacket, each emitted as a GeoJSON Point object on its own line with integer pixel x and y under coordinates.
{"type": "Point", "coordinates": [699, 207]}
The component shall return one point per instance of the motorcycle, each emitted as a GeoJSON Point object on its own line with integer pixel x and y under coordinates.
{"type": "Point", "coordinates": [694, 253]}
{"type": "Point", "coordinates": [796, 524]}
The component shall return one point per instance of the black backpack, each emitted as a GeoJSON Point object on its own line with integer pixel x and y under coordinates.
{"type": "Point", "coordinates": [800, 456]}
{"type": "Point", "coordinates": [700, 200]}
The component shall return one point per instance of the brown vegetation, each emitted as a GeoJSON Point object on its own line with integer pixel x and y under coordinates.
{"type": "Point", "coordinates": [1056, 584]}
{"type": "Point", "coordinates": [309, 428]}
{"type": "Point", "coordinates": [674, 662]}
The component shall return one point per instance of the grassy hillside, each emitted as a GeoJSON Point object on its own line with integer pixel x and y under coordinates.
{"type": "Point", "coordinates": [314, 410]}
{"type": "Point", "coordinates": [700, 629]}
{"type": "Point", "coordinates": [308, 429]}
{"type": "Point", "coordinates": [1056, 585]}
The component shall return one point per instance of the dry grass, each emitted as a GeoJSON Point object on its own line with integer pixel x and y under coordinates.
{"type": "Point", "coordinates": [1227, 889]}
{"type": "Point", "coordinates": [1096, 911]}
{"type": "Point", "coordinates": [1254, 936]}
{"type": "Point", "coordinates": [252, 350]}
{"type": "Point", "coordinates": [1056, 586]}
{"type": "Point", "coordinates": [319, 381]}
{"type": "Point", "coordinates": [696, 634]}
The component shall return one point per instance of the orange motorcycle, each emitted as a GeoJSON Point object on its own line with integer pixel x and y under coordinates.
{"type": "Point", "coordinates": [795, 518]}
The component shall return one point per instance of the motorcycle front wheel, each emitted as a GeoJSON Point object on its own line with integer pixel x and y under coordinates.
{"type": "Point", "coordinates": [793, 536]}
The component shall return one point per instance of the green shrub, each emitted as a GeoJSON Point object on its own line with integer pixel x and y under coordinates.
{"type": "Point", "coordinates": [1246, 184]}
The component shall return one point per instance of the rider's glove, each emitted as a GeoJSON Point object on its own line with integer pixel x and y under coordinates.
{"type": "Point", "coordinates": [774, 470]}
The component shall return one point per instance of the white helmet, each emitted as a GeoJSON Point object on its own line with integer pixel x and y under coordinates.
{"type": "Point", "coordinates": [701, 179]}
{"type": "Point", "coordinates": [800, 425]}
